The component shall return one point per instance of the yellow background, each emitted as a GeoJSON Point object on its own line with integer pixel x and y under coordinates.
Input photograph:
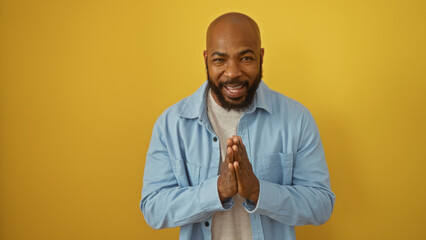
{"type": "Point", "coordinates": [82, 82]}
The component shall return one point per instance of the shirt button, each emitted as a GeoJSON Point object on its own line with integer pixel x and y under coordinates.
{"type": "Point", "coordinates": [215, 139]}
{"type": "Point", "coordinates": [206, 224]}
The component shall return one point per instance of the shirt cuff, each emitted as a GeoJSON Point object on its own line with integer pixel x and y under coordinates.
{"type": "Point", "coordinates": [249, 206]}
{"type": "Point", "coordinates": [228, 203]}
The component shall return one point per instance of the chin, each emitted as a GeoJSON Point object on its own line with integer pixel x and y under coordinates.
{"type": "Point", "coordinates": [235, 101]}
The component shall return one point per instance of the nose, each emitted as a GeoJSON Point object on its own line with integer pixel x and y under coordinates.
{"type": "Point", "coordinates": [232, 70]}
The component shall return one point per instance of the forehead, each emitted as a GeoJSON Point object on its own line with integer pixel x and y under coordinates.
{"type": "Point", "coordinates": [229, 37]}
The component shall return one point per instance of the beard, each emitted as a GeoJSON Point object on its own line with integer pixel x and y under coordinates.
{"type": "Point", "coordinates": [246, 103]}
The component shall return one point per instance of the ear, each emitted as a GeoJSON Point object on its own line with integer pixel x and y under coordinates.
{"type": "Point", "coordinates": [262, 52]}
{"type": "Point", "coordinates": [205, 57]}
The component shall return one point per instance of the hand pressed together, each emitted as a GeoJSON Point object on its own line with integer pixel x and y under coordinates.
{"type": "Point", "coordinates": [227, 182]}
{"type": "Point", "coordinates": [237, 174]}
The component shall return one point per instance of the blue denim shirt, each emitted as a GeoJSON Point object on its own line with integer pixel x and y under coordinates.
{"type": "Point", "coordinates": [284, 148]}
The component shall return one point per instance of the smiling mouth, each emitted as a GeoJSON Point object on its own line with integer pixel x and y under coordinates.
{"type": "Point", "coordinates": [235, 91]}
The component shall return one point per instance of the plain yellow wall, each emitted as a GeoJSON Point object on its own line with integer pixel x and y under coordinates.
{"type": "Point", "coordinates": [82, 82]}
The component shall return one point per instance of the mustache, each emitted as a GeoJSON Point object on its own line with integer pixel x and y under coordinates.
{"type": "Point", "coordinates": [233, 81]}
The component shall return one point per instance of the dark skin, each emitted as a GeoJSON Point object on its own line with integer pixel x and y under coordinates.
{"type": "Point", "coordinates": [237, 174]}
{"type": "Point", "coordinates": [247, 182]}
{"type": "Point", "coordinates": [227, 184]}
{"type": "Point", "coordinates": [234, 54]}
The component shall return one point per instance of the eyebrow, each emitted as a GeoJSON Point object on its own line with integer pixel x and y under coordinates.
{"type": "Point", "coordinates": [221, 54]}
{"type": "Point", "coordinates": [248, 50]}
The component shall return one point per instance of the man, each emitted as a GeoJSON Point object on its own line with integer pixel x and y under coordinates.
{"type": "Point", "coordinates": [235, 160]}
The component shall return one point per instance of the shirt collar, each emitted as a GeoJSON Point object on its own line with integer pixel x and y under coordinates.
{"type": "Point", "coordinates": [195, 105]}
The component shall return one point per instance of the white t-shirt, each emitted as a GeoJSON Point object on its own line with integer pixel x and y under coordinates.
{"type": "Point", "coordinates": [232, 224]}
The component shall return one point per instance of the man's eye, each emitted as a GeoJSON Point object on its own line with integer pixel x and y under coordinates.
{"type": "Point", "coordinates": [247, 59]}
{"type": "Point", "coordinates": [218, 60]}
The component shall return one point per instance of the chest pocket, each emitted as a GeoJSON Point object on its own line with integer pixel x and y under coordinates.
{"type": "Point", "coordinates": [186, 173]}
{"type": "Point", "coordinates": [276, 168]}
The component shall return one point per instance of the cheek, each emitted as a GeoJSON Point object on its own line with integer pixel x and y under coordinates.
{"type": "Point", "coordinates": [214, 73]}
{"type": "Point", "coordinates": [252, 71]}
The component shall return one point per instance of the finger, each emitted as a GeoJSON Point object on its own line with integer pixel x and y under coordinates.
{"type": "Point", "coordinates": [236, 154]}
{"type": "Point", "coordinates": [229, 142]}
{"type": "Point", "coordinates": [238, 173]}
{"type": "Point", "coordinates": [240, 143]}
{"type": "Point", "coordinates": [230, 155]}
{"type": "Point", "coordinates": [235, 139]}
{"type": "Point", "coordinates": [237, 168]}
{"type": "Point", "coordinates": [232, 173]}
{"type": "Point", "coordinates": [243, 147]}
{"type": "Point", "coordinates": [242, 150]}
{"type": "Point", "coordinates": [235, 148]}
{"type": "Point", "coordinates": [239, 152]}
{"type": "Point", "coordinates": [231, 169]}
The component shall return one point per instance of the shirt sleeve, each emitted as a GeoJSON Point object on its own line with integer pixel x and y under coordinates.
{"type": "Point", "coordinates": [308, 200]}
{"type": "Point", "coordinates": [166, 204]}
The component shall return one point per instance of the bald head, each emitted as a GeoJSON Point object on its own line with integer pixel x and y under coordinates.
{"type": "Point", "coordinates": [233, 23]}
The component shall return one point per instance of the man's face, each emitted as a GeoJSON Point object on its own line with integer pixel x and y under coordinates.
{"type": "Point", "coordinates": [234, 65]}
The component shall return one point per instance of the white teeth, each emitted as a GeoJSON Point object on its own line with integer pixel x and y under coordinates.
{"type": "Point", "coordinates": [234, 88]}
